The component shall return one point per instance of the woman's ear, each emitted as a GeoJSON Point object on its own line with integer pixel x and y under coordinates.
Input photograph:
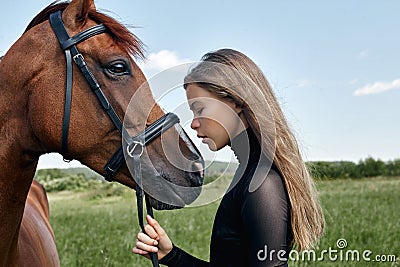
{"type": "Point", "coordinates": [237, 108]}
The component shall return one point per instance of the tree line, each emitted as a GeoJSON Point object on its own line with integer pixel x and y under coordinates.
{"type": "Point", "coordinates": [368, 167]}
{"type": "Point", "coordinates": [55, 180]}
{"type": "Point", "coordinates": [78, 179]}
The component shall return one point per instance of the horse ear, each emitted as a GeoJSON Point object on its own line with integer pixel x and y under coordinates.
{"type": "Point", "coordinates": [76, 14]}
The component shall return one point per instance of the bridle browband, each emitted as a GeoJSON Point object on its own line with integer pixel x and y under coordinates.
{"type": "Point", "coordinates": [134, 145]}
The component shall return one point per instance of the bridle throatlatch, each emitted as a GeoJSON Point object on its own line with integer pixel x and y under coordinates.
{"type": "Point", "coordinates": [134, 145]}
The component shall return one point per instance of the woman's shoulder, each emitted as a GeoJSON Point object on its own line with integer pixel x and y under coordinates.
{"type": "Point", "coordinates": [260, 179]}
{"type": "Point", "coordinates": [266, 190]}
{"type": "Point", "coordinates": [264, 176]}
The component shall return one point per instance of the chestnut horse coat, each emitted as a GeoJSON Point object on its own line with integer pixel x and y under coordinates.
{"type": "Point", "coordinates": [36, 242]}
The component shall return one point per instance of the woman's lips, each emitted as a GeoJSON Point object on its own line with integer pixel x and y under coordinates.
{"type": "Point", "coordinates": [203, 138]}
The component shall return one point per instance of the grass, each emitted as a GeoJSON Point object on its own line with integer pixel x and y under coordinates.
{"type": "Point", "coordinates": [95, 231]}
{"type": "Point", "coordinates": [364, 212]}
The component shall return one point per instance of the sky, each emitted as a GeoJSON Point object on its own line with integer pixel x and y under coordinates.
{"type": "Point", "coordinates": [334, 65]}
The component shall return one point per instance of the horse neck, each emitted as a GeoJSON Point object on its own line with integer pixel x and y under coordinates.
{"type": "Point", "coordinates": [14, 186]}
{"type": "Point", "coordinates": [17, 163]}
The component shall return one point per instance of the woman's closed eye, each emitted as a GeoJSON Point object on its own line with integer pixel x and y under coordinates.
{"type": "Point", "coordinates": [197, 107]}
{"type": "Point", "coordinates": [198, 111]}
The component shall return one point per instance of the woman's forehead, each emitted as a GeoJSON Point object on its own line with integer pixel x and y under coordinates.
{"type": "Point", "coordinates": [194, 91]}
{"type": "Point", "coordinates": [198, 97]}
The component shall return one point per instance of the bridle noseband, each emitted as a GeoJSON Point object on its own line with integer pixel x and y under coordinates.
{"type": "Point", "coordinates": [134, 145]}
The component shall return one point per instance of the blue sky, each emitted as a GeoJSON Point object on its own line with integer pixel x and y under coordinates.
{"type": "Point", "coordinates": [334, 66]}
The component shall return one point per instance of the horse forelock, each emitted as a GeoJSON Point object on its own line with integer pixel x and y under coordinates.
{"type": "Point", "coordinates": [124, 38]}
{"type": "Point", "coordinates": [120, 33]}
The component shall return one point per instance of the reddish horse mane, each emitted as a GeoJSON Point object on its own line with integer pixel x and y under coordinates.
{"type": "Point", "coordinates": [125, 39]}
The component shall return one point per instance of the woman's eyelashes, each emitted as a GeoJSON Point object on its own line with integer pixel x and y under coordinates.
{"type": "Point", "coordinates": [199, 111]}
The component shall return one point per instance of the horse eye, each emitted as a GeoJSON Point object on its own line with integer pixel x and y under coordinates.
{"type": "Point", "coordinates": [118, 68]}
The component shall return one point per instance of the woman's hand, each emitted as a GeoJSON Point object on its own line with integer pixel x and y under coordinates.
{"type": "Point", "coordinates": [154, 240]}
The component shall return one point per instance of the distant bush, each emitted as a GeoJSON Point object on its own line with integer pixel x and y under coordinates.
{"type": "Point", "coordinates": [107, 190]}
{"type": "Point", "coordinates": [80, 179]}
{"type": "Point", "coordinates": [55, 180]}
{"type": "Point", "coordinates": [210, 178]}
{"type": "Point", "coordinates": [368, 167]}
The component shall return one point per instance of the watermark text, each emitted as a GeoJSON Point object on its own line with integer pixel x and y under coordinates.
{"type": "Point", "coordinates": [337, 253]}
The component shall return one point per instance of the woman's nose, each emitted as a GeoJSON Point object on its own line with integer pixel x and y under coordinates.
{"type": "Point", "coordinates": [195, 123]}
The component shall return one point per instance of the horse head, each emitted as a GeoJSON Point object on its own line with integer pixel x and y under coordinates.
{"type": "Point", "coordinates": [36, 64]}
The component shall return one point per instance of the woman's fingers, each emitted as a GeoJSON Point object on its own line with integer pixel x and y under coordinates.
{"type": "Point", "coordinates": [146, 239]}
{"type": "Point", "coordinates": [139, 251]}
{"type": "Point", "coordinates": [151, 232]}
{"type": "Point", "coordinates": [145, 247]}
{"type": "Point", "coordinates": [155, 225]}
{"type": "Point", "coordinates": [154, 240]}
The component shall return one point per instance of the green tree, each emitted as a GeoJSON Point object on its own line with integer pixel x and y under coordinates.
{"type": "Point", "coordinates": [371, 167]}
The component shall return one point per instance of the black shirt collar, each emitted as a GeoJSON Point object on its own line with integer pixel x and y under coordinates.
{"type": "Point", "coordinates": [246, 146]}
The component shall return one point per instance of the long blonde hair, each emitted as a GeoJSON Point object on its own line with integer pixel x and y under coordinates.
{"type": "Point", "coordinates": [262, 110]}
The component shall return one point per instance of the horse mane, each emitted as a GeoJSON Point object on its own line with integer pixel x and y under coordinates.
{"type": "Point", "coordinates": [125, 39]}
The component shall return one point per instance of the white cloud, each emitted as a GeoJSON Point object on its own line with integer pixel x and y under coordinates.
{"type": "Point", "coordinates": [363, 54]}
{"type": "Point", "coordinates": [162, 60]}
{"type": "Point", "coordinates": [304, 83]}
{"type": "Point", "coordinates": [300, 84]}
{"type": "Point", "coordinates": [378, 87]}
{"type": "Point", "coordinates": [354, 81]}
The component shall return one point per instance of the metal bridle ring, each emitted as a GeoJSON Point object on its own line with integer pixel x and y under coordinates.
{"type": "Point", "coordinates": [131, 151]}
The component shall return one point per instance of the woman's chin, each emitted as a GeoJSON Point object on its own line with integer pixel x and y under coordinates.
{"type": "Point", "coordinates": [211, 145]}
{"type": "Point", "coordinates": [213, 148]}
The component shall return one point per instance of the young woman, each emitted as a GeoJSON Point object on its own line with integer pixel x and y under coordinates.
{"type": "Point", "coordinates": [271, 204]}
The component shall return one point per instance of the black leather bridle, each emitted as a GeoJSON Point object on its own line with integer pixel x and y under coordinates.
{"type": "Point", "coordinates": [134, 145]}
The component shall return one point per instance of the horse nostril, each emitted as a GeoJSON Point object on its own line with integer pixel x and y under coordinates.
{"type": "Point", "coordinates": [198, 167]}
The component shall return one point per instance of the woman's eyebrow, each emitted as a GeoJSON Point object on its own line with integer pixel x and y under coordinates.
{"type": "Point", "coordinates": [192, 105]}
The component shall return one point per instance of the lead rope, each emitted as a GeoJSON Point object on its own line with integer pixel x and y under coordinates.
{"type": "Point", "coordinates": [139, 196]}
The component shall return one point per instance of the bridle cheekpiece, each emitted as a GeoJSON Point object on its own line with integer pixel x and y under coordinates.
{"type": "Point", "coordinates": [134, 145]}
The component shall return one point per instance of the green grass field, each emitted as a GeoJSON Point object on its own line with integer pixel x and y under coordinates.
{"type": "Point", "coordinates": [93, 230]}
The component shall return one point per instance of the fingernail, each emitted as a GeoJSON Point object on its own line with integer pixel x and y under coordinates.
{"type": "Point", "coordinates": [155, 243]}
{"type": "Point", "coordinates": [155, 249]}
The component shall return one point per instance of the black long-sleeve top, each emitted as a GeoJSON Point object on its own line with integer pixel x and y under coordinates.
{"type": "Point", "coordinates": [252, 225]}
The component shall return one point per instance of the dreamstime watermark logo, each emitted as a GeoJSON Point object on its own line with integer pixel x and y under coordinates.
{"type": "Point", "coordinates": [338, 253]}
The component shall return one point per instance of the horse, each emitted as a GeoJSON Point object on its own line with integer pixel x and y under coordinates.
{"type": "Point", "coordinates": [36, 237]}
{"type": "Point", "coordinates": [38, 116]}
